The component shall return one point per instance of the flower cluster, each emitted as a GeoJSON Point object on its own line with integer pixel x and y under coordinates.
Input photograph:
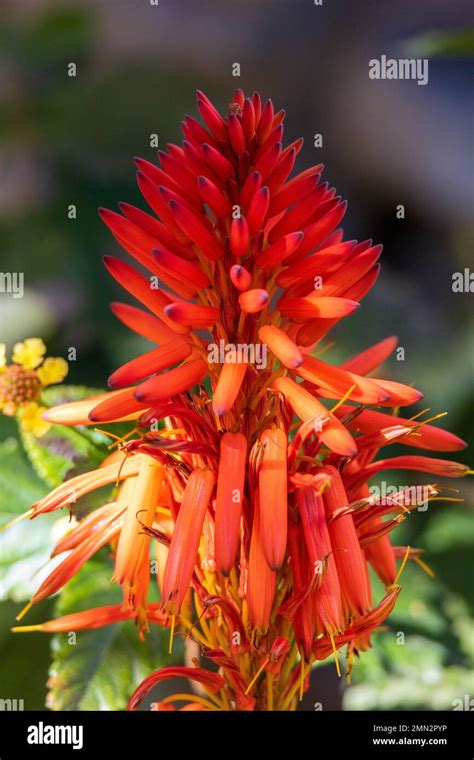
{"type": "Point", "coordinates": [22, 381]}
{"type": "Point", "coordinates": [250, 483]}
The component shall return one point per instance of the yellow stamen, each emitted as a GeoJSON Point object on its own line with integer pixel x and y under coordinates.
{"type": "Point", "coordinates": [170, 649]}
{"type": "Point", "coordinates": [269, 691]}
{"type": "Point", "coordinates": [415, 416]}
{"type": "Point", "coordinates": [260, 670]}
{"type": "Point", "coordinates": [325, 348]}
{"type": "Point", "coordinates": [117, 439]}
{"type": "Point", "coordinates": [343, 399]}
{"type": "Point", "coordinates": [163, 511]}
{"type": "Point", "coordinates": [446, 498]}
{"type": "Point", "coordinates": [26, 628]}
{"type": "Point", "coordinates": [24, 611]}
{"type": "Point", "coordinates": [402, 566]}
{"type": "Point", "coordinates": [302, 680]}
{"type": "Point", "coordinates": [425, 567]}
{"type": "Point", "coordinates": [333, 644]}
{"type": "Point", "coordinates": [189, 698]}
{"type": "Point", "coordinates": [16, 520]}
{"type": "Point", "coordinates": [435, 417]}
{"type": "Point", "coordinates": [168, 433]}
{"type": "Point", "coordinates": [193, 632]}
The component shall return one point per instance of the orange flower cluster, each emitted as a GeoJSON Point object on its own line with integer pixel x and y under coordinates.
{"type": "Point", "coordinates": [249, 479]}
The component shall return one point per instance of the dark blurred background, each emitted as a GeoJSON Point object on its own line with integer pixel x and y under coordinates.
{"type": "Point", "coordinates": [71, 140]}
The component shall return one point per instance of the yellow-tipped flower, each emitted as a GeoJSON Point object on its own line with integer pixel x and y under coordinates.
{"type": "Point", "coordinates": [21, 383]}
{"type": "Point", "coordinates": [29, 354]}
{"type": "Point", "coordinates": [141, 496]}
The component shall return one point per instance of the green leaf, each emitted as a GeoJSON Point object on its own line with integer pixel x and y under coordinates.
{"type": "Point", "coordinates": [24, 547]}
{"type": "Point", "coordinates": [101, 671]}
{"type": "Point", "coordinates": [17, 653]}
{"type": "Point", "coordinates": [19, 485]}
{"type": "Point", "coordinates": [61, 394]}
{"type": "Point", "coordinates": [455, 43]}
{"type": "Point", "coordinates": [449, 530]}
{"type": "Point", "coordinates": [59, 34]}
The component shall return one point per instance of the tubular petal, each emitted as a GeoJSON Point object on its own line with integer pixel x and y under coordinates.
{"type": "Point", "coordinates": [348, 555]}
{"type": "Point", "coordinates": [252, 301]}
{"type": "Point", "coordinates": [327, 597]}
{"type": "Point", "coordinates": [185, 271]}
{"type": "Point", "coordinates": [117, 406]}
{"type": "Point", "coordinates": [427, 436]}
{"type": "Point", "coordinates": [239, 236]}
{"type": "Point", "coordinates": [229, 499]}
{"type": "Point", "coordinates": [272, 481]}
{"type": "Point", "coordinates": [281, 345]}
{"type": "Point", "coordinates": [279, 251]}
{"type": "Point", "coordinates": [196, 230]}
{"type": "Point", "coordinates": [143, 323]}
{"type": "Point", "coordinates": [139, 287]}
{"type": "Point", "coordinates": [320, 373]}
{"type": "Point", "coordinates": [163, 387]}
{"type": "Point", "coordinates": [261, 580]}
{"type": "Point", "coordinates": [77, 412]}
{"type": "Point", "coordinates": [372, 357]}
{"type": "Point", "coordinates": [132, 549]}
{"type": "Point", "coordinates": [240, 277]}
{"type": "Point", "coordinates": [72, 490]}
{"type": "Point", "coordinates": [211, 681]}
{"type": "Point", "coordinates": [328, 428]}
{"type": "Point", "coordinates": [192, 314]}
{"type": "Point", "coordinates": [228, 386]}
{"type": "Point", "coordinates": [185, 541]}
{"type": "Point", "coordinates": [312, 307]}
{"type": "Point", "coordinates": [151, 362]}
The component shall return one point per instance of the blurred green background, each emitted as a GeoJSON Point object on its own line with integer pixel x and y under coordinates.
{"type": "Point", "coordinates": [71, 140]}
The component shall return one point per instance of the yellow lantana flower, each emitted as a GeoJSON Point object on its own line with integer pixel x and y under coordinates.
{"type": "Point", "coordinates": [29, 416]}
{"type": "Point", "coordinates": [29, 354]}
{"type": "Point", "coordinates": [21, 383]}
{"type": "Point", "coordinates": [53, 370]}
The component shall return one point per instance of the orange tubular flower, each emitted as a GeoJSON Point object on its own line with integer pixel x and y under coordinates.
{"type": "Point", "coordinates": [330, 430]}
{"type": "Point", "coordinates": [282, 346]}
{"type": "Point", "coordinates": [261, 581]}
{"type": "Point", "coordinates": [229, 499]}
{"type": "Point", "coordinates": [252, 301]}
{"type": "Point", "coordinates": [89, 619]}
{"type": "Point", "coordinates": [327, 599]}
{"type": "Point", "coordinates": [78, 412]}
{"type": "Point", "coordinates": [186, 537]}
{"type": "Point", "coordinates": [269, 571]}
{"type": "Point", "coordinates": [141, 496]}
{"type": "Point", "coordinates": [348, 555]}
{"type": "Point", "coordinates": [229, 384]}
{"type": "Point", "coordinates": [427, 436]}
{"type": "Point", "coordinates": [272, 481]}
